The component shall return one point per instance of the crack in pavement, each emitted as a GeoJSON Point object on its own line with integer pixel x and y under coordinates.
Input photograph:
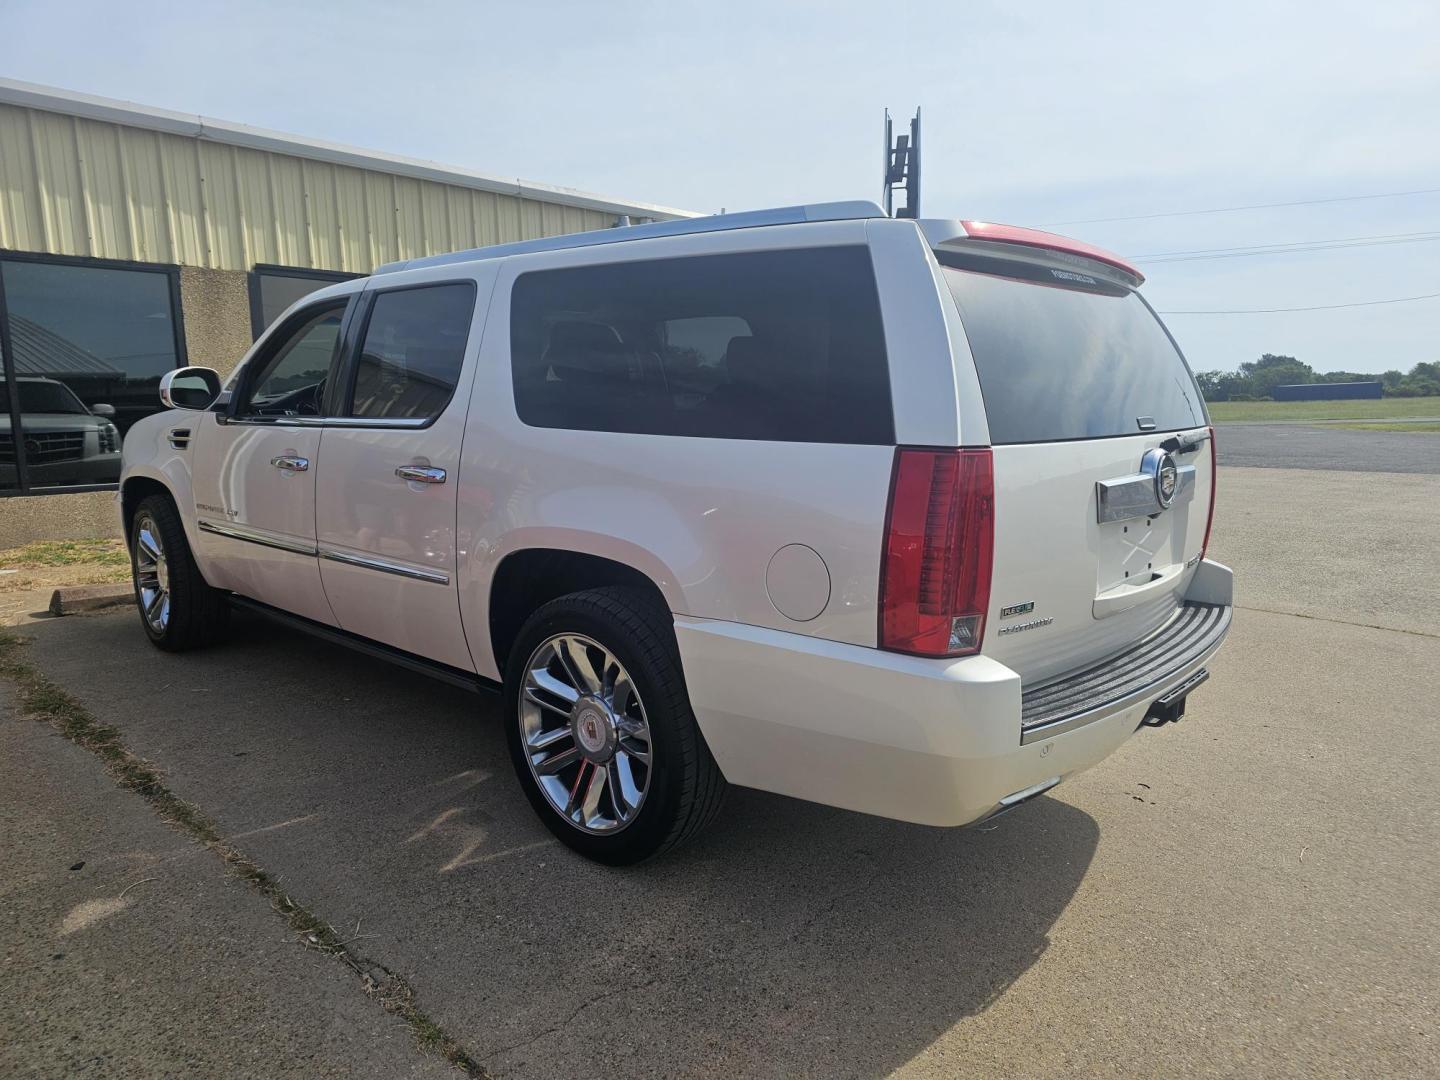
{"type": "Point", "coordinates": [1340, 622]}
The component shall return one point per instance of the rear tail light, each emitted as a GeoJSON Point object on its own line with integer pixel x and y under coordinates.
{"type": "Point", "coordinates": [939, 549]}
{"type": "Point", "coordinates": [1214, 476]}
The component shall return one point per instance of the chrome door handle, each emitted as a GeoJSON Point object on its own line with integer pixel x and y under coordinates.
{"type": "Point", "coordinates": [290, 463]}
{"type": "Point", "coordinates": [421, 474]}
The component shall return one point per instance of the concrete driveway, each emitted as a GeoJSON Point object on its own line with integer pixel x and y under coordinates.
{"type": "Point", "coordinates": [1250, 892]}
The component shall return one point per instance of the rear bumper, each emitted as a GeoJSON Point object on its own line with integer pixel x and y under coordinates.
{"type": "Point", "coordinates": [927, 741]}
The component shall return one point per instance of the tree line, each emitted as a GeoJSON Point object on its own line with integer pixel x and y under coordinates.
{"type": "Point", "coordinates": [1256, 380]}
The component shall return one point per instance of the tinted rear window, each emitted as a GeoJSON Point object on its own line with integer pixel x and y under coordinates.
{"type": "Point", "coordinates": [780, 345]}
{"type": "Point", "coordinates": [1083, 360]}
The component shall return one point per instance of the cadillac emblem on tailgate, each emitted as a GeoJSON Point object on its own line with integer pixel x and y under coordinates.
{"type": "Point", "coordinates": [1167, 479]}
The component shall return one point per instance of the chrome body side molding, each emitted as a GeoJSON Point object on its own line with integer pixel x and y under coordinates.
{"type": "Point", "coordinates": [255, 536]}
{"type": "Point", "coordinates": [369, 562]}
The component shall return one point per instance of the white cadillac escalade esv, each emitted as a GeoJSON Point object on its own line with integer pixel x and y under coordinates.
{"type": "Point", "coordinates": [903, 517]}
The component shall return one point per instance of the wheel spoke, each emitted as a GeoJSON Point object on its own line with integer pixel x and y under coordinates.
{"type": "Point", "coordinates": [622, 693]}
{"type": "Point", "coordinates": [593, 791]}
{"type": "Point", "coordinates": [559, 760]}
{"type": "Point", "coordinates": [149, 550]}
{"type": "Point", "coordinates": [637, 749]}
{"type": "Point", "coordinates": [576, 789]}
{"type": "Point", "coordinates": [544, 740]}
{"type": "Point", "coordinates": [545, 703]}
{"type": "Point", "coordinates": [155, 605]}
{"type": "Point", "coordinates": [540, 677]}
{"type": "Point", "coordinates": [580, 665]}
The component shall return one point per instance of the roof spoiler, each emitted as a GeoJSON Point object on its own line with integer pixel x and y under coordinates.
{"type": "Point", "coordinates": [962, 234]}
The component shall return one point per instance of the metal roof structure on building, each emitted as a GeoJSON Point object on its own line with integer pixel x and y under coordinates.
{"type": "Point", "coordinates": [92, 176]}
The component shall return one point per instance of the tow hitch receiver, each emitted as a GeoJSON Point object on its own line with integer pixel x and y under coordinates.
{"type": "Point", "coordinates": [1170, 707]}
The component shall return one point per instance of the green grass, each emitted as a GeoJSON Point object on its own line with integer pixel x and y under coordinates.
{"type": "Point", "coordinates": [1412, 428]}
{"type": "Point", "coordinates": [1383, 409]}
{"type": "Point", "coordinates": [68, 553]}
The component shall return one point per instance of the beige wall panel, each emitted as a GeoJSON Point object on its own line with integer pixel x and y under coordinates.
{"type": "Point", "coordinates": [89, 515]}
{"type": "Point", "coordinates": [217, 316]}
{"type": "Point", "coordinates": [354, 223]}
{"type": "Point", "coordinates": [76, 186]}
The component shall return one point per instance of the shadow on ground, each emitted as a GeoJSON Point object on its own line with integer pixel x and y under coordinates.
{"type": "Point", "coordinates": [791, 939]}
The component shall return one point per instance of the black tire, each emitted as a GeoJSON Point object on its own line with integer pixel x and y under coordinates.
{"type": "Point", "coordinates": [686, 787]}
{"type": "Point", "coordinates": [198, 615]}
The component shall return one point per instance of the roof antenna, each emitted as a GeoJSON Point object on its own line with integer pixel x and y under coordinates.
{"type": "Point", "coordinates": [902, 167]}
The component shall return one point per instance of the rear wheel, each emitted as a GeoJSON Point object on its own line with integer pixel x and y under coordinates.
{"type": "Point", "coordinates": [178, 609]}
{"type": "Point", "coordinates": [600, 728]}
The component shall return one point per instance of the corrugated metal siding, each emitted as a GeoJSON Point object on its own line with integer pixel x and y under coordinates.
{"type": "Point", "coordinates": [74, 186]}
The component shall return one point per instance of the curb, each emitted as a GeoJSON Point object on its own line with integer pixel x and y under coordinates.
{"type": "Point", "coordinates": [71, 599]}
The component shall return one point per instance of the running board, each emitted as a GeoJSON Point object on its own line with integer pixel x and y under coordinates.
{"type": "Point", "coordinates": [466, 680]}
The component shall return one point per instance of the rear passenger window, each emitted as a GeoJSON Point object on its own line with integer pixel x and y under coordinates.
{"type": "Point", "coordinates": [782, 345]}
{"type": "Point", "coordinates": [412, 350]}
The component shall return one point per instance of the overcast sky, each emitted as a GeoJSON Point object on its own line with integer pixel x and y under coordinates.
{"type": "Point", "coordinates": [1054, 113]}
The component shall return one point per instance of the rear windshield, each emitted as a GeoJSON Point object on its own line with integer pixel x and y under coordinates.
{"type": "Point", "coordinates": [1078, 360]}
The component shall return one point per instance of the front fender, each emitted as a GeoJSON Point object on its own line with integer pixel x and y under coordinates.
{"type": "Point", "coordinates": [147, 454]}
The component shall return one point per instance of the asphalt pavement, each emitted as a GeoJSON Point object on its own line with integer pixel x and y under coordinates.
{"type": "Point", "coordinates": [1291, 445]}
{"type": "Point", "coordinates": [1250, 892]}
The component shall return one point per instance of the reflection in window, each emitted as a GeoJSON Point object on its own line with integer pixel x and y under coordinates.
{"type": "Point", "coordinates": [273, 290]}
{"type": "Point", "coordinates": [413, 348]}
{"type": "Point", "coordinates": [89, 346]}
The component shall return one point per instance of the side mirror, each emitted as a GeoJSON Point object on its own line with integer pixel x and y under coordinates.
{"type": "Point", "coordinates": [107, 411]}
{"type": "Point", "coordinates": [193, 388]}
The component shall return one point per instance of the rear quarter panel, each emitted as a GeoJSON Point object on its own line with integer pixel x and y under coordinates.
{"type": "Point", "coordinates": [701, 517]}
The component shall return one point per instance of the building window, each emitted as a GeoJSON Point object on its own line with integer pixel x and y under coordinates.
{"type": "Point", "coordinates": [274, 288]}
{"type": "Point", "coordinates": [84, 343]}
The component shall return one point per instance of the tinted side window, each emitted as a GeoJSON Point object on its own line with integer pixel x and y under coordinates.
{"type": "Point", "coordinates": [780, 345]}
{"type": "Point", "coordinates": [412, 350]}
{"type": "Point", "coordinates": [291, 379]}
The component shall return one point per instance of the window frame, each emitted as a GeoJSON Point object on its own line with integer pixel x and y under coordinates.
{"type": "Point", "coordinates": [7, 370]}
{"type": "Point", "coordinates": [343, 394]}
{"type": "Point", "coordinates": [261, 270]}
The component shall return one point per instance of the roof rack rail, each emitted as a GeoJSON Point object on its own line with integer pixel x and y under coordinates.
{"type": "Point", "coordinates": [750, 219]}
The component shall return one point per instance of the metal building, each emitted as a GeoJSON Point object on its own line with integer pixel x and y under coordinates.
{"type": "Point", "coordinates": [134, 240]}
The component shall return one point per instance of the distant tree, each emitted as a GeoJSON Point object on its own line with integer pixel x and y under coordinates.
{"type": "Point", "coordinates": [1392, 379]}
{"type": "Point", "coordinates": [1270, 371]}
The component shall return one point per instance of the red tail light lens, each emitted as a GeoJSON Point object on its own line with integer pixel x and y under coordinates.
{"type": "Point", "coordinates": [1214, 476]}
{"type": "Point", "coordinates": [939, 550]}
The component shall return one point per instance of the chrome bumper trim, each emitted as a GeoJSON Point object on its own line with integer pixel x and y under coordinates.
{"type": "Point", "coordinates": [1165, 664]}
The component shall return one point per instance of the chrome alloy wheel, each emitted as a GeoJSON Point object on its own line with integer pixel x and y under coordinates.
{"type": "Point", "coordinates": [585, 733]}
{"type": "Point", "coordinates": [152, 575]}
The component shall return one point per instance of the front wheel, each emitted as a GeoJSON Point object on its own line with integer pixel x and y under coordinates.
{"type": "Point", "coordinates": [600, 728]}
{"type": "Point", "coordinates": [178, 609]}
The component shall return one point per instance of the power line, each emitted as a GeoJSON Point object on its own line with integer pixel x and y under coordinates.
{"type": "Point", "coordinates": [1319, 307]}
{"type": "Point", "coordinates": [1241, 248]}
{"type": "Point", "coordinates": [1253, 206]}
{"type": "Point", "coordinates": [1294, 249]}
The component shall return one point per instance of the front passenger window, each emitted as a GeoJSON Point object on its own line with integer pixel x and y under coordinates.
{"type": "Point", "coordinates": [412, 351]}
{"type": "Point", "coordinates": [291, 381]}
